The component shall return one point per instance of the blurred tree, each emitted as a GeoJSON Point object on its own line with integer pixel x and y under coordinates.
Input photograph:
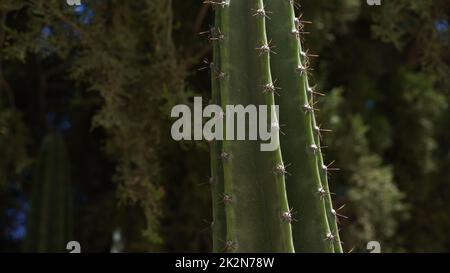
{"type": "Point", "coordinates": [13, 132]}
{"type": "Point", "coordinates": [420, 31]}
{"type": "Point", "coordinates": [392, 101]}
{"type": "Point", "coordinates": [365, 185]}
{"type": "Point", "coordinates": [124, 52]}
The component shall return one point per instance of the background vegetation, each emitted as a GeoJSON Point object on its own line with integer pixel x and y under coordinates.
{"type": "Point", "coordinates": [106, 74]}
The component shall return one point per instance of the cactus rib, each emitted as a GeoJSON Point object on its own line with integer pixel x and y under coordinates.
{"type": "Point", "coordinates": [216, 180]}
{"type": "Point", "coordinates": [298, 144]}
{"type": "Point", "coordinates": [332, 217]}
{"type": "Point", "coordinates": [256, 196]}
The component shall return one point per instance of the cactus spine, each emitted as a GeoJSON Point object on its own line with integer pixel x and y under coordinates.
{"type": "Point", "coordinates": [254, 194]}
{"type": "Point", "coordinates": [49, 219]}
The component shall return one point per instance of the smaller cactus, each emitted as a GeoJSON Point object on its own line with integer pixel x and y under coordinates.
{"type": "Point", "coordinates": [49, 218]}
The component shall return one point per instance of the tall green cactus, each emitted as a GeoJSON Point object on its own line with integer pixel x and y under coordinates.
{"type": "Point", "coordinates": [49, 219]}
{"type": "Point", "coordinates": [257, 216]}
{"type": "Point", "coordinates": [254, 194]}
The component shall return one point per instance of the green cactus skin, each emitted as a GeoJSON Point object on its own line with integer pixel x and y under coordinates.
{"type": "Point", "coordinates": [298, 143]}
{"type": "Point", "coordinates": [219, 228]}
{"type": "Point", "coordinates": [254, 193]}
{"type": "Point", "coordinates": [49, 219]}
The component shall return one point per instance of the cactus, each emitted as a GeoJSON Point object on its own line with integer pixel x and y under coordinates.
{"type": "Point", "coordinates": [257, 214]}
{"type": "Point", "coordinates": [254, 194]}
{"type": "Point", "coordinates": [49, 219]}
